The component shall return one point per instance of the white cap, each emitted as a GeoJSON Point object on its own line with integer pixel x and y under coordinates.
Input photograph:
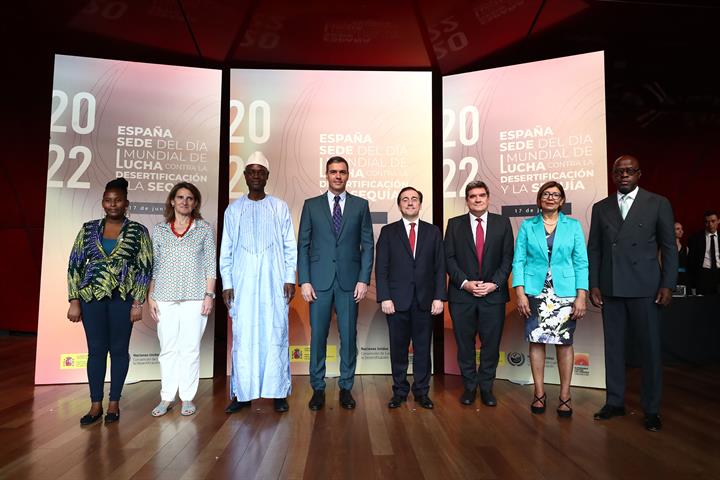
{"type": "Point", "coordinates": [257, 158]}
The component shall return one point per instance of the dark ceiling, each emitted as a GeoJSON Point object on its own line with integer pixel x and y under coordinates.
{"type": "Point", "coordinates": [660, 54]}
{"type": "Point", "coordinates": [447, 35]}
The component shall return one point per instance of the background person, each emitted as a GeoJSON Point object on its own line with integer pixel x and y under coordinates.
{"type": "Point", "coordinates": [704, 256]}
{"type": "Point", "coordinates": [682, 255]}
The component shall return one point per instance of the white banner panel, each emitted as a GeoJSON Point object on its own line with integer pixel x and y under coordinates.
{"type": "Point", "coordinates": [155, 125]}
{"type": "Point", "coordinates": [381, 122]}
{"type": "Point", "coordinates": [516, 128]}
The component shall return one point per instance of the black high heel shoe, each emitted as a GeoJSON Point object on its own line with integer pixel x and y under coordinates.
{"type": "Point", "coordinates": [88, 419]}
{"type": "Point", "coordinates": [112, 417]}
{"type": "Point", "coordinates": [540, 409]}
{"type": "Point", "coordinates": [564, 413]}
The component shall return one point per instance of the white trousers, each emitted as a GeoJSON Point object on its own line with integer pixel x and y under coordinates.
{"type": "Point", "coordinates": [180, 331]}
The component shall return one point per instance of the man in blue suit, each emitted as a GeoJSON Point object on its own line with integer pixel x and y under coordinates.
{"type": "Point", "coordinates": [410, 280]}
{"type": "Point", "coordinates": [335, 257]}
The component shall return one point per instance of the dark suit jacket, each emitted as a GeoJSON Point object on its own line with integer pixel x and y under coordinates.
{"type": "Point", "coordinates": [399, 276]}
{"type": "Point", "coordinates": [322, 256]}
{"type": "Point", "coordinates": [696, 256]}
{"type": "Point", "coordinates": [623, 255]}
{"type": "Point", "coordinates": [462, 263]}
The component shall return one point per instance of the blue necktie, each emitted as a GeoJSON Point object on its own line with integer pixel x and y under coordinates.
{"type": "Point", "coordinates": [337, 215]}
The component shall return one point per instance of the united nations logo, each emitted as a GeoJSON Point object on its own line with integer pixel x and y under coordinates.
{"type": "Point", "coordinates": [515, 359]}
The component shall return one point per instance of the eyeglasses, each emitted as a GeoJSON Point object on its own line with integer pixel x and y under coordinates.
{"type": "Point", "coordinates": [629, 170]}
{"type": "Point", "coordinates": [553, 195]}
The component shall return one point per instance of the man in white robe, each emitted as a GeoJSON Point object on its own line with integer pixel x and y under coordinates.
{"type": "Point", "coordinates": [258, 257]}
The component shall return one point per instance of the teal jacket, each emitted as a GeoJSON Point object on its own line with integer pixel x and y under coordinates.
{"type": "Point", "coordinates": [569, 264]}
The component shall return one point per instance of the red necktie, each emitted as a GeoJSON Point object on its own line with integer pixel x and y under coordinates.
{"type": "Point", "coordinates": [412, 238]}
{"type": "Point", "coordinates": [479, 243]}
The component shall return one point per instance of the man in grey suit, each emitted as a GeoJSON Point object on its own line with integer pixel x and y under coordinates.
{"type": "Point", "coordinates": [335, 257]}
{"type": "Point", "coordinates": [630, 284]}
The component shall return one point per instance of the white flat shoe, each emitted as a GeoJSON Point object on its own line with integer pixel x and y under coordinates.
{"type": "Point", "coordinates": [188, 408]}
{"type": "Point", "coordinates": [161, 409]}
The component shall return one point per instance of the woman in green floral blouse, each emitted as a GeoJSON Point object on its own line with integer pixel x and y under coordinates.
{"type": "Point", "coordinates": [108, 276]}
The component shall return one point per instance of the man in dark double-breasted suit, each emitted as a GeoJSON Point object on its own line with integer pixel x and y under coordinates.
{"type": "Point", "coordinates": [479, 255]}
{"type": "Point", "coordinates": [410, 281]}
{"type": "Point", "coordinates": [629, 231]}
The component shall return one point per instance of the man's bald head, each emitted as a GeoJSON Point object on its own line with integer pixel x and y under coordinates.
{"type": "Point", "coordinates": [629, 158]}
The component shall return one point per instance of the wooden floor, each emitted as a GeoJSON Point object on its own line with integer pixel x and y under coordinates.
{"type": "Point", "coordinates": [40, 436]}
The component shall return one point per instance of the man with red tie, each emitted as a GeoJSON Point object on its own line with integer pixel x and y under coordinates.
{"type": "Point", "coordinates": [410, 280]}
{"type": "Point", "coordinates": [479, 255]}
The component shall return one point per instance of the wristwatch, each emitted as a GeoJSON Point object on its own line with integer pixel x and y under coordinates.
{"type": "Point", "coordinates": [210, 294]}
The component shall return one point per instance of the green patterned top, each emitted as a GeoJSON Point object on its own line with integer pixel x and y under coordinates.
{"type": "Point", "coordinates": [94, 274]}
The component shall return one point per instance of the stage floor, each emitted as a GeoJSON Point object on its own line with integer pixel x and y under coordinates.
{"type": "Point", "coordinates": [40, 436]}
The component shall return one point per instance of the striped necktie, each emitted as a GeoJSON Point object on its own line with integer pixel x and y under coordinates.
{"type": "Point", "coordinates": [337, 215]}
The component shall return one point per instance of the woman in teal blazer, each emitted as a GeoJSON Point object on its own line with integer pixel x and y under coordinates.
{"type": "Point", "coordinates": [550, 276]}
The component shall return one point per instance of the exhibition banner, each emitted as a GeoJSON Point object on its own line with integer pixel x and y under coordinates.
{"type": "Point", "coordinates": [155, 125]}
{"type": "Point", "coordinates": [516, 128]}
{"type": "Point", "coordinates": [380, 122]}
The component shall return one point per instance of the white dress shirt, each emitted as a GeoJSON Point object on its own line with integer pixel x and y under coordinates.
{"type": "Point", "coordinates": [706, 258]}
{"type": "Point", "coordinates": [473, 229]}
{"type": "Point", "coordinates": [407, 222]}
{"type": "Point", "coordinates": [473, 225]}
{"type": "Point", "coordinates": [331, 201]}
{"type": "Point", "coordinates": [629, 198]}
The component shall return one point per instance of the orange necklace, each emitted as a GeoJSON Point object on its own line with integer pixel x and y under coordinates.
{"type": "Point", "coordinates": [180, 235]}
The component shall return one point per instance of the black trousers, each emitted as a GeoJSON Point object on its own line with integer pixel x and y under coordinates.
{"type": "Point", "coordinates": [469, 321]}
{"type": "Point", "coordinates": [415, 325]}
{"type": "Point", "coordinates": [643, 315]}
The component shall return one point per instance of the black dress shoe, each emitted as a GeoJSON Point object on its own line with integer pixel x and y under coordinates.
{"type": "Point", "coordinates": [346, 399]}
{"type": "Point", "coordinates": [488, 398]}
{"type": "Point", "coordinates": [317, 401]}
{"type": "Point", "coordinates": [468, 397]}
{"type": "Point", "coordinates": [235, 406]}
{"type": "Point", "coordinates": [90, 419]}
{"type": "Point", "coordinates": [281, 405]}
{"type": "Point", "coordinates": [396, 401]}
{"type": "Point", "coordinates": [112, 417]}
{"type": "Point", "coordinates": [608, 411]}
{"type": "Point", "coordinates": [652, 422]}
{"type": "Point", "coordinates": [425, 402]}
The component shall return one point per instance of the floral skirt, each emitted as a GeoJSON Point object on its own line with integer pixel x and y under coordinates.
{"type": "Point", "coordinates": [549, 320]}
